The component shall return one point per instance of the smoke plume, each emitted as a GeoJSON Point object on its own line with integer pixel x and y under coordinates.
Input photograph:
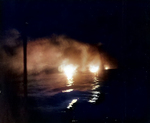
{"type": "Point", "coordinates": [49, 53]}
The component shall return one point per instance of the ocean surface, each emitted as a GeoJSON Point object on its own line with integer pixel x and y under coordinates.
{"type": "Point", "coordinates": [54, 98]}
{"type": "Point", "coordinates": [108, 97]}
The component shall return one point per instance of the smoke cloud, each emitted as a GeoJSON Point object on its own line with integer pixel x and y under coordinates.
{"type": "Point", "coordinates": [49, 53]}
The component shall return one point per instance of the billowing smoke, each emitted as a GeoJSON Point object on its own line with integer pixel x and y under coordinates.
{"type": "Point", "coordinates": [44, 54]}
{"type": "Point", "coordinates": [49, 53]}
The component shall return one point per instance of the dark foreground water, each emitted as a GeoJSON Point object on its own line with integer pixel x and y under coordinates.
{"type": "Point", "coordinates": [112, 96]}
{"type": "Point", "coordinates": [54, 98]}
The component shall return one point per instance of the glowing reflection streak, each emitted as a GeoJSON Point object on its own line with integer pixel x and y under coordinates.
{"type": "Point", "coordinates": [95, 87]}
{"type": "Point", "coordinates": [69, 70]}
{"type": "Point", "coordinates": [95, 94]}
{"type": "Point", "coordinates": [70, 82]}
{"type": "Point", "coordinates": [68, 90]}
{"type": "Point", "coordinates": [92, 101]}
{"type": "Point", "coordinates": [94, 97]}
{"type": "Point", "coordinates": [72, 102]}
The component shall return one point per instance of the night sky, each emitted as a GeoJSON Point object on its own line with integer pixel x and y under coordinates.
{"type": "Point", "coordinates": [123, 27]}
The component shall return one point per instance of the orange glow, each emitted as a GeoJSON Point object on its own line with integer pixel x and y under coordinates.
{"type": "Point", "coordinates": [70, 82]}
{"type": "Point", "coordinates": [106, 67]}
{"type": "Point", "coordinates": [94, 69]}
{"type": "Point", "coordinates": [69, 70]}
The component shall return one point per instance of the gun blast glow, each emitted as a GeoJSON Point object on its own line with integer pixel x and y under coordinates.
{"type": "Point", "coordinates": [49, 53]}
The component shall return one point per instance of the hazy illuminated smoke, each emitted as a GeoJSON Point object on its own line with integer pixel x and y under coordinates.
{"type": "Point", "coordinates": [49, 53]}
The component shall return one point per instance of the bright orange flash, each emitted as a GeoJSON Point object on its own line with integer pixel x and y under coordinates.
{"type": "Point", "coordinates": [106, 68]}
{"type": "Point", "coordinates": [69, 70]}
{"type": "Point", "coordinates": [94, 69]}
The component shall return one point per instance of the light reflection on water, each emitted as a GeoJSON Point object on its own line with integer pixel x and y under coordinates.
{"type": "Point", "coordinates": [56, 94]}
{"type": "Point", "coordinates": [68, 90]}
{"type": "Point", "coordinates": [95, 94]}
{"type": "Point", "coordinates": [95, 83]}
{"type": "Point", "coordinates": [72, 102]}
{"type": "Point", "coordinates": [70, 82]}
{"type": "Point", "coordinates": [82, 87]}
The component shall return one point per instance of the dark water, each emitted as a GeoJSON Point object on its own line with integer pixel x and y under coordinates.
{"type": "Point", "coordinates": [113, 96]}
{"type": "Point", "coordinates": [54, 98]}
